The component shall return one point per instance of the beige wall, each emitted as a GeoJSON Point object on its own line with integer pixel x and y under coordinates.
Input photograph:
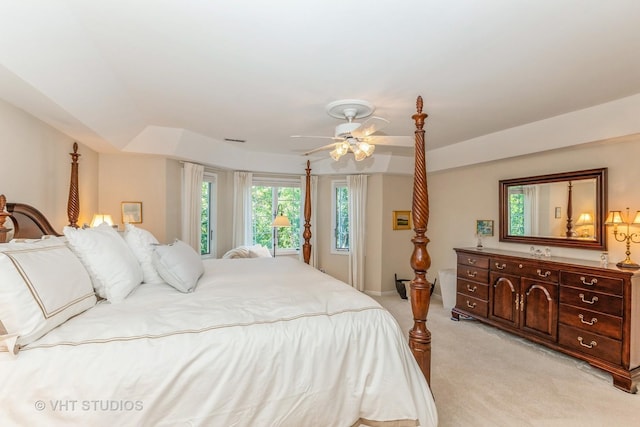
{"type": "Point", "coordinates": [152, 180]}
{"type": "Point", "coordinates": [458, 197]}
{"type": "Point", "coordinates": [36, 167]}
{"type": "Point", "coordinates": [387, 250]}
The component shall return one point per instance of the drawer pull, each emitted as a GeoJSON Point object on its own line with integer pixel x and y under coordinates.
{"type": "Point", "coordinates": [472, 273]}
{"type": "Point", "coordinates": [590, 345]}
{"type": "Point", "coordinates": [470, 305]}
{"type": "Point", "coordinates": [517, 301]}
{"type": "Point", "coordinates": [501, 266]}
{"type": "Point", "coordinates": [591, 283]}
{"type": "Point", "coordinates": [471, 261]}
{"type": "Point", "coordinates": [593, 300]}
{"type": "Point", "coordinates": [470, 289]}
{"type": "Point", "coordinates": [546, 273]}
{"type": "Point", "coordinates": [593, 320]}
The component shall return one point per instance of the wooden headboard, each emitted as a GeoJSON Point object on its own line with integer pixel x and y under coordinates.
{"type": "Point", "coordinates": [27, 221]}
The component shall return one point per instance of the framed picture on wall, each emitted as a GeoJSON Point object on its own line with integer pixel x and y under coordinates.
{"type": "Point", "coordinates": [484, 227]}
{"type": "Point", "coordinates": [402, 220]}
{"type": "Point", "coordinates": [131, 212]}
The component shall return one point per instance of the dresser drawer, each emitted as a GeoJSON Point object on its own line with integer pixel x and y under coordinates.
{"type": "Point", "coordinates": [469, 272]}
{"type": "Point", "coordinates": [473, 260]}
{"type": "Point", "coordinates": [591, 321]}
{"type": "Point", "coordinates": [472, 305]}
{"type": "Point", "coordinates": [590, 344]}
{"type": "Point", "coordinates": [608, 285]}
{"type": "Point", "coordinates": [595, 301]}
{"type": "Point", "coordinates": [473, 289]}
{"type": "Point", "coordinates": [524, 269]}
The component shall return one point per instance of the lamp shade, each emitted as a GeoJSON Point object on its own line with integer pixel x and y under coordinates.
{"type": "Point", "coordinates": [585, 218]}
{"type": "Point", "coordinates": [614, 218]}
{"type": "Point", "coordinates": [636, 220]}
{"type": "Point", "coordinates": [281, 221]}
{"type": "Point", "coordinates": [100, 218]}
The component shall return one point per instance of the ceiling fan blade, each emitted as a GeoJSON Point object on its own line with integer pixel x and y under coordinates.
{"type": "Point", "coordinates": [313, 136]}
{"type": "Point", "coordinates": [324, 147]}
{"type": "Point", "coordinates": [369, 126]}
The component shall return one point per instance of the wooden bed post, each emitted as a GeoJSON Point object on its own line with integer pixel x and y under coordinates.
{"type": "Point", "coordinates": [3, 217]}
{"type": "Point", "coordinates": [73, 205]}
{"type": "Point", "coordinates": [306, 247]}
{"type": "Point", "coordinates": [419, 335]}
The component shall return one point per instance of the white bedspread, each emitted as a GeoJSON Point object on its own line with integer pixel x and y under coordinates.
{"type": "Point", "coordinates": [261, 342]}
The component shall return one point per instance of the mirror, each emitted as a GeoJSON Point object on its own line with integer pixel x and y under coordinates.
{"type": "Point", "coordinates": [564, 209]}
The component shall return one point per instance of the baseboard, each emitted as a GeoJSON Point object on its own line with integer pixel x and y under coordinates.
{"type": "Point", "coordinates": [381, 294]}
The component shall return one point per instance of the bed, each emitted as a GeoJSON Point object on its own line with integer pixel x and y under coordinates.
{"type": "Point", "coordinates": [260, 341]}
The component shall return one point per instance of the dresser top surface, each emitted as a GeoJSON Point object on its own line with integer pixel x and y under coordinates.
{"type": "Point", "coordinates": [552, 259]}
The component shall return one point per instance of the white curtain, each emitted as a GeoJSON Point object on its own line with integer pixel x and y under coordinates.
{"type": "Point", "coordinates": [313, 261]}
{"type": "Point", "coordinates": [530, 210]}
{"type": "Point", "coordinates": [357, 187]}
{"type": "Point", "coordinates": [242, 230]}
{"type": "Point", "coordinates": [192, 175]}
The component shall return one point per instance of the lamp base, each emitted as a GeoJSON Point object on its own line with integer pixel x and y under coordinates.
{"type": "Point", "coordinates": [627, 263]}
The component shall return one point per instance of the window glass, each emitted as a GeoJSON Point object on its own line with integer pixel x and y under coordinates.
{"type": "Point", "coordinates": [268, 201]}
{"type": "Point", "coordinates": [340, 217]}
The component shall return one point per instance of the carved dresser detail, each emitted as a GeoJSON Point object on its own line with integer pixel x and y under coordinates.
{"type": "Point", "coordinates": [577, 307]}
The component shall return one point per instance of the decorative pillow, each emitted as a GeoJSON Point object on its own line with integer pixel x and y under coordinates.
{"type": "Point", "coordinates": [179, 265]}
{"type": "Point", "coordinates": [259, 251]}
{"type": "Point", "coordinates": [141, 243]}
{"type": "Point", "coordinates": [43, 284]}
{"type": "Point", "coordinates": [113, 268]}
{"type": "Point", "coordinates": [239, 252]}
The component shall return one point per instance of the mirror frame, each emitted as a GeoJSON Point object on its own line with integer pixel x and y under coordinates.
{"type": "Point", "coordinates": [600, 242]}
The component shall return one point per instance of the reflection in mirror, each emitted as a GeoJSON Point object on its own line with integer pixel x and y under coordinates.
{"type": "Point", "coordinates": [565, 209]}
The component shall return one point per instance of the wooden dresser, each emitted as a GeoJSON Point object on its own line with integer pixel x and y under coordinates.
{"type": "Point", "coordinates": [573, 306]}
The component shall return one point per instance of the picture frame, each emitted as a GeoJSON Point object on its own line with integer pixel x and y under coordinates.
{"type": "Point", "coordinates": [402, 220]}
{"type": "Point", "coordinates": [484, 227]}
{"type": "Point", "coordinates": [131, 212]}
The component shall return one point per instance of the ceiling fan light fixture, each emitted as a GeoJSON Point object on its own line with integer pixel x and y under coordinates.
{"type": "Point", "coordinates": [366, 148]}
{"type": "Point", "coordinates": [359, 154]}
{"type": "Point", "coordinates": [335, 154]}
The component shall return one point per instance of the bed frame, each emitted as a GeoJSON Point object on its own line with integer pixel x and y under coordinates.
{"type": "Point", "coordinates": [28, 222]}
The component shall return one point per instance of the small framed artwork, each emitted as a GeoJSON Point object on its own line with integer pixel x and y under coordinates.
{"type": "Point", "coordinates": [131, 212]}
{"type": "Point", "coordinates": [402, 220]}
{"type": "Point", "coordinates": [484, 227]}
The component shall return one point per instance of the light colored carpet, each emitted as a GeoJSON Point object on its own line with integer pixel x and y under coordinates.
{"type": "Point", "coordinates": [481, 376]}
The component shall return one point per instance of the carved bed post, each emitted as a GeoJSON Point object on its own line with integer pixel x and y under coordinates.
{"type": "Point", "coordinates": [3, 217]}
{"type": "Point", "coordinates": [306, 234]}
{"type": "Point", "coordinates": [73, 205]}
{"type": "Point", "coordinates": [419, 335]}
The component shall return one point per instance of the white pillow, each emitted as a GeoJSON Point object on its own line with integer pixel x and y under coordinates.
{"type": "Point", "coordinates": [42, 285]}
{"type": "Point", "coordinates": [179, 265]}
{"type": "Point", "coordinates": [259, 251]}
{"type": "Point", "coordinates": [141, 243]}
{"type": "Point", "coordinates": [239, 252]}
{"type": "Point", "coordinates": [113, 268]}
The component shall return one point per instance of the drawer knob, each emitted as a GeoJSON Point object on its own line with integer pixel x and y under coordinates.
{"type": "Point", "coordinates": [501, 266]}
{"type": "Point", "coordinates": [472, 273]}
{"type": "Point", "coordinates": [471, 305]}
{"type": "Point", "coordinates": [470, 289]}
{"type": "Point", "coordinates": [471, 261]}
{"type": "Point", "coordinates": [545, 274]}
{"type": "Point", "coordinates": [593, 320]}
{"type": "Point", "coordinates": [590, 345]}
{"type": "Point", "coordinates": [593, 300]}
{"type": "Point", "coordinates": [591, 283]}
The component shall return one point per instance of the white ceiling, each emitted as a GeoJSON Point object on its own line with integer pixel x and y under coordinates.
{"type": "Point", "coordinates": [177, 77]}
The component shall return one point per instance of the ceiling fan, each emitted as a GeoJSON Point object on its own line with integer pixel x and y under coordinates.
{"type": "Point", "coordinates": [359, 138]}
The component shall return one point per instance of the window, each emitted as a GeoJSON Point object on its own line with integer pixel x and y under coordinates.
{"type": "Point", "coordinates": [340, 217]}
{"type": "Point", "coordinates": [270, 197]}
{"type": "Point", "coordinates": [516, 214]}
{"type": "Point", "coordinates": [208, 216]}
